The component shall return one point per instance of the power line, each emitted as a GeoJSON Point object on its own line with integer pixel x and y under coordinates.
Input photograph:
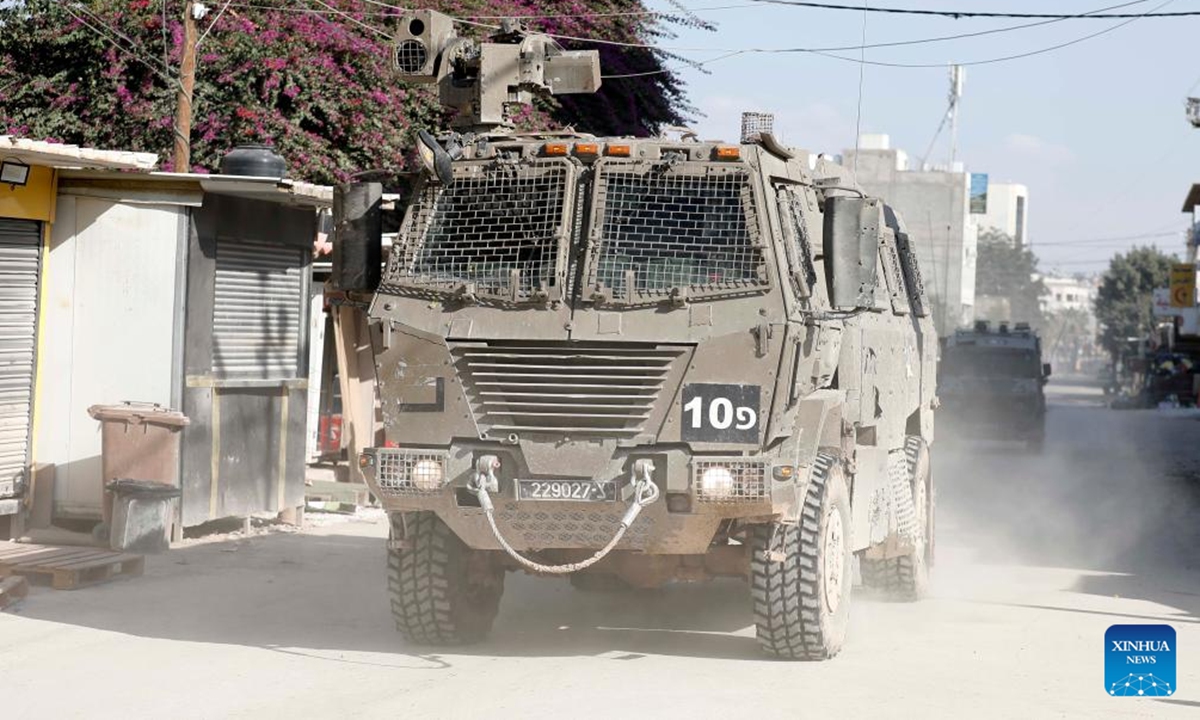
{"type": "Point", "coordinates": [832, 53]}
{"type": "Point", "coordinates": [212, 24]}
{"type": "Point", "coordinates": [960, 14]}
{"type": "Point", "coordinates": [105, 33]}
{"type": "Point", "coordinates": [862, 69]}
{"type": "Point", "coordinates": [1102, 241]}
{"type": "Point", "coordinates": [351, 18]}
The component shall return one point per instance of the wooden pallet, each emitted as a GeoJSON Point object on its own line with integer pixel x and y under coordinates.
{"type": "Point", "coordinates": [67, 568]}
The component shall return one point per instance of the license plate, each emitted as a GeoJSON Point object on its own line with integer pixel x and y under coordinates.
{"type": "Point", "coordinates": [567, 490]}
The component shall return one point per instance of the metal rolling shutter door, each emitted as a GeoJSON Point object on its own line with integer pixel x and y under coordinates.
{"type": "Point", "coordinates": [20, 255]}
{"type": "Point", "coordinates": [257, 310]}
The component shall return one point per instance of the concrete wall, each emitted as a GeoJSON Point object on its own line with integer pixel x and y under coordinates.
{"type": "Point", "coordinates": [935, 209]}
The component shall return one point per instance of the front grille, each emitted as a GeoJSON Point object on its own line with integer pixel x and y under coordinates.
{"type": "Point", "coordinates": [496, 230]}
{"type": "Point", "coordinates": [735, 481]}
{"type": "Point", "coordinates": [563, 387]}
{"type": "Point", "coordinates": [402, 472]}
{"type": "Point", "coordinates": [669, 229]}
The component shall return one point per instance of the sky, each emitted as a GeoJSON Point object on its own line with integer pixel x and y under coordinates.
{"type": "Point", "coordinates": [1096, 131]}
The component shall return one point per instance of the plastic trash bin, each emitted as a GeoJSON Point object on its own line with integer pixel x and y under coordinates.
{"type": "Point", "coordinates": [142, 515]}
{"type": "Point", "coordinates": [138, 441]}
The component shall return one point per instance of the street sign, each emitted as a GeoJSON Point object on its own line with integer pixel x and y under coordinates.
{"type": "Point", "coordinates": [1162, 303]}
{"type": "Point", "coordinates": [1183, 285]}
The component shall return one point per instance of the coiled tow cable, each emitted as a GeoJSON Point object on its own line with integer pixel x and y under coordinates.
{"type": "Point", "coordinates": [645, 492]}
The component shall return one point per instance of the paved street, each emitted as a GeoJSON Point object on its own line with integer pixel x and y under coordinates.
{"type": "Point", "coordinates": [1037, 557]}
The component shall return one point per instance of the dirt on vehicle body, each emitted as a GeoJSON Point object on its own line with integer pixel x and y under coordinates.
{"type": "Point", "coordinates": [647, 360]}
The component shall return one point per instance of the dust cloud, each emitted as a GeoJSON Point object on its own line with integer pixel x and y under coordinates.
{"type": "Point", "coordinates": [1114, 490]}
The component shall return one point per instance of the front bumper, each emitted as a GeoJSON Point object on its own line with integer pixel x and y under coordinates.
{"type": "Point", "coordinates": [684, 521]}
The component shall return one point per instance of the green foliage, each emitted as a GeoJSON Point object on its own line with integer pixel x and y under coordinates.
{"type": "Point", "coordinates": [317, 85]}
{"type": "Point", "coordinates": [1124, 302]}
{"type": "Point", "coordinates": [1005, 271]}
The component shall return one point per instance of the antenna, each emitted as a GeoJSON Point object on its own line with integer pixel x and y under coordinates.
{"type": "Point", "coordinates": [957, 76]}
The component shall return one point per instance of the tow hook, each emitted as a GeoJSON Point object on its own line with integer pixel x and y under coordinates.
{"type": "Point", "coordinates": [645, 492]}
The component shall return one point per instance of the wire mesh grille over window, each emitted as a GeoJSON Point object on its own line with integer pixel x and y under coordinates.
{"type": "Point", "coordinates": [498, 228]}
{"type": "Point", "coordinates": [675, 230]}
{"type": "Point", "coordinates": [792, 212]}
{"type": "Point", "coordinates": [256, 310]}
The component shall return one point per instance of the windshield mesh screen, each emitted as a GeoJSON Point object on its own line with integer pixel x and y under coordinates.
{"type": "Point", "coordinates": [497, 227]}
{"type": "Point", "coordinates": [675, 230]}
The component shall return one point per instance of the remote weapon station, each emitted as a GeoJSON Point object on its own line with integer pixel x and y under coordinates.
{"type": "Point", "coordinates": [633, 360]}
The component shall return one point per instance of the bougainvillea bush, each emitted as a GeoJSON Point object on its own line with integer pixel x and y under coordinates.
{"type": "Point", "coordinates": [311, 77]}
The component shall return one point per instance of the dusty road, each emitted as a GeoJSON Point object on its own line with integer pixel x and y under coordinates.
{"type": "Point", "coordinates": [1037, 557]}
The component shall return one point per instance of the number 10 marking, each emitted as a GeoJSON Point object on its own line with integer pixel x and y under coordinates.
{"type": "Point", "coordinates": [721, 414]}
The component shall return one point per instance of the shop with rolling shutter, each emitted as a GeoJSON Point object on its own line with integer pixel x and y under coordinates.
{"type": "Point", "coordinates": [20, 270]}
{"type": "Point", "coordinates": [257, 310]}
{"type": "Point", "coordinates": [246, 357]}
{"type": "Point", "coordinates": [192, 292]}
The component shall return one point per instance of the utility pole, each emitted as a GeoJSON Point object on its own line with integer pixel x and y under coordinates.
{"type": "Point", "coordinates": [187, 81]}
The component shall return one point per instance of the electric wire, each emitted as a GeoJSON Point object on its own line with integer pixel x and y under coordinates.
{"type": "Point", "coordinates": [1108, 240]}
{"type": "Point", "coordinates": [862, 69]}
{"type": "Point", "coordinates": [1004, 58]}
{"type": "Point", "coordinates": [212, 24]}
{"type": "Point", "coordinates": [961, 14]}
{"type": "Point", "coordinates": [342, 13]}
{"type": "Point", "coordinates": [103, 32]}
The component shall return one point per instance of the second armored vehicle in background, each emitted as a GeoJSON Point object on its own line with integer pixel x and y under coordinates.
{"type": "Point", "coordinates": [991, 383]}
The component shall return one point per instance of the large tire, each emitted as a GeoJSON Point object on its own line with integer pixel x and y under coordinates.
{"type": "Point", "coordinates": [443, 593]}
{"type": "Point", "coordinates": [906, 577]}
{"type": "Point", "coordinates": [800, 574]}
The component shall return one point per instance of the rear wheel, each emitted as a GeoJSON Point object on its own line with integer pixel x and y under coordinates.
{"type": "Point", "coordinates": [907, 577]}
{"type": "Point", "coordinates": [800, 573]}
{"type": "Point", "coordinates": [443, 593]}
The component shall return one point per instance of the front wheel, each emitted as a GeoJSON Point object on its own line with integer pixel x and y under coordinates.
{"type": "Point", "coordinates": [800, 573]}
{"type": "Point", "coordinates": [443, 592]}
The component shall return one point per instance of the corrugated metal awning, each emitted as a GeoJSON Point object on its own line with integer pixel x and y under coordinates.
{"type": "Point", "coordinates": [58, 155]}
{"type": "Point", "coordinates": [188, 188]}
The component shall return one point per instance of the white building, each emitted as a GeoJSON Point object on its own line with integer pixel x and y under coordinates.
{"type": "Point", "coordinates": [1007, 211]}
{"type": "Point", "coordinates": [1068, 293]}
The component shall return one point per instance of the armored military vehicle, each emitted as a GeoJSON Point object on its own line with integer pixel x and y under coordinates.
{"type": "Point", "coordinates": [646, 360]}
{"type": "Point", "coordinates": [991, 383]}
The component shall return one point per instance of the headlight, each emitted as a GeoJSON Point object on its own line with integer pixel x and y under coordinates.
{"type": "Point", "coordinates": [716, 482]}
{"type": "Point", "coordinates": [427, 475]}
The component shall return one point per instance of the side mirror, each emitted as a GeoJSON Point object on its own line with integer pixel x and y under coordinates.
{"type": "Point", "coordinates": [852, 234]}
{"type": "Point", "coordinates": [1046, 370]}
{"type": "Point", "coordinates": [434, 157]}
